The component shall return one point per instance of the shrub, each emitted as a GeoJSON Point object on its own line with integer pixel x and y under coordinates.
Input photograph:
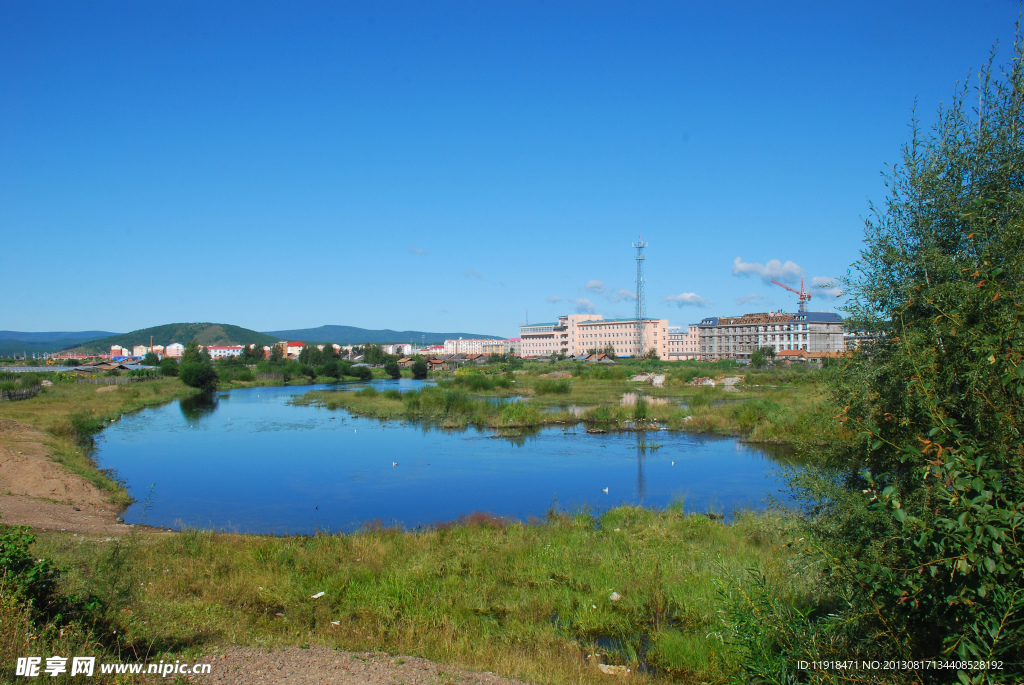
{"type": "Point", "coordinates": [419, 369]}
{"type": "Point", "coordinates": [30, 379]}
{"type": "Point", "coordinates": [198, 374]}
{"type": "Point", "coordinates": [32, 580]}
{"type": "Point", "coordinates": [473, 380]}
{"type": "Point", "coordinates": [748, 414]}
{"type": "Point", "coordinates": [392, 369]}
{"type": "Point", "coordinates": [168, 366]}
{"type": "Point", "coordinates": [363, 373]}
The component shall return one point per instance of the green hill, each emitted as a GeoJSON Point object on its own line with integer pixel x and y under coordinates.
{"type": "Point", "coordinates": [345, 335]}
{"type": "Point", "coordinates": [203, 333]}
{"type": "Point", "coordinates": [19, 342]}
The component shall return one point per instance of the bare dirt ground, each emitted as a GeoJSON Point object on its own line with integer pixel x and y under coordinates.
{"type": "Point", "coordinates": [730, 382]}
{"type": "Point", "coordinates": [320, 665]}
{"type": "Point", "coordinates": [37, 492]}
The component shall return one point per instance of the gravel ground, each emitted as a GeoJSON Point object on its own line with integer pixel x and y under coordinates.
{"type": "Point", "coordinates": [322, 666]}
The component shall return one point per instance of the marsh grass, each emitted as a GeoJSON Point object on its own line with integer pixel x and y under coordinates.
{"type": "Point", "coordinates": [473, 380]}
{"type": "Point", "coordinates": [525, 600]}
{"type": "Point", "coordinates": [550, 386]}
{"type": "Point", "coordinates": [786, 414]}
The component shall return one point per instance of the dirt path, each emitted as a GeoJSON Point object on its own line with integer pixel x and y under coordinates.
{"type": "Point", "coordinates": [320, 665]}
{"type": "Point", "coordinates": [37, 492]}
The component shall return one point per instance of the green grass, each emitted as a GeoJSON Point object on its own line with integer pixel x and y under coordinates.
{"type": "Point", "coordinates": [524, 600]}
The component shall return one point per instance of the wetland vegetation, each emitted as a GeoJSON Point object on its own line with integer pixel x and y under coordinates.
{"type": "Point", "coordinates": [777, 405]}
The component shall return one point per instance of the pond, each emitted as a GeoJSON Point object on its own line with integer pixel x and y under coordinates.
{"type": "Point", "coordinates": [248, 461]}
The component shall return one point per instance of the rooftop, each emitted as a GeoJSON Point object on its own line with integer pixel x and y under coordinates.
{"type": "Point", "coordinates": [772, 317]}
{"type": "Point", "coordinates": [602, 321]}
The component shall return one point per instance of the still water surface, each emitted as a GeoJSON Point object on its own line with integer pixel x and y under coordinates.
{"type": "Point", "coordinates": [248, 461]}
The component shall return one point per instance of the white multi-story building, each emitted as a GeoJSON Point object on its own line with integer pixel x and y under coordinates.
{"type": "Point", "coordinates": [576, 334]}
{"type": "Point", "coordinates": [399, 349]}
{"type": "Point", "coordinates": [174, 350]}
{"type": "Point", "coordinates": [501, 347]}
{"type": "Point", "coordinates": [221, 351]}
{"type": "Point", "coordinates": [468, 345]}
{"type": "Point", "coordinates": [140, 351]}
{"type": "Point", "coordinates": [736, 337]}
{"type": "Point", "coordinates": [683, 342]}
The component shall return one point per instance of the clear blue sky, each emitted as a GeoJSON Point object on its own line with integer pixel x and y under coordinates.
{"type": "Point", "coordinates": [448, 165]}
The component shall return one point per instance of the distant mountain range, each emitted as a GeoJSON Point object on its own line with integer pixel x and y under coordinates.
{"type": "Point", "coordinates": [19, 342]}
{"type": "Point", "coordinates": [347, 335]}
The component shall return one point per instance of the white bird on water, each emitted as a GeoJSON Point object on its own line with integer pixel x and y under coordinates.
{"type": "Point", "coordinates": [673, 463]}
{"type": "Point", "coordinates": [605, 491]}
{"type": "Point", "coordinates": [394, 463]}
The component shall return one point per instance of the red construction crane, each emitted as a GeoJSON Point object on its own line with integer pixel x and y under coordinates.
{"type": "Point", "coordinates": [804, 296]}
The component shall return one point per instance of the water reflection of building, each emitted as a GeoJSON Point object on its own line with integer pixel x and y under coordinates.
{"type": "Point", "coordinates": [641, 456]}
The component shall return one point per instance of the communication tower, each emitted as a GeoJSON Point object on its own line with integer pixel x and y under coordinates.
{"type": "Point", "coordinates": [639, 246]}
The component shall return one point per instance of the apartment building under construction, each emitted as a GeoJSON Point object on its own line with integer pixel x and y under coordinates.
{"type": "Point", "coordinates": [736, 337]}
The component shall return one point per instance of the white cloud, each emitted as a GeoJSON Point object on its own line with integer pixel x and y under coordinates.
{"type": "Point", "coordinates": [595, 286]}
{"type": "Point", "coordinates": [554, 298]}
{"type": "Point", "coordinates": [623, 294]}
{"type": "Point", "coordinates": [752, 298]}
{"type": "Point", "coordinates": [829, 287]}
{"type": "Point", "coordinates": [687, 299]}
{"type": "Point", "coordinates": [788, 272]}
{"type": "Point", "coordinates": [583, 306]}
{"type": "Point", "coordinates": [472, 274]}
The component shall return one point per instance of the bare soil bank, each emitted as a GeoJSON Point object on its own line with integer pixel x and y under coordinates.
{"type": "Point", "coordinates": [37, 492]}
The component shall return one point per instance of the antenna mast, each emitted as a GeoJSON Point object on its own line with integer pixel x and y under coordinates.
{"type": "Point", "coordinates": [639, 246]}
